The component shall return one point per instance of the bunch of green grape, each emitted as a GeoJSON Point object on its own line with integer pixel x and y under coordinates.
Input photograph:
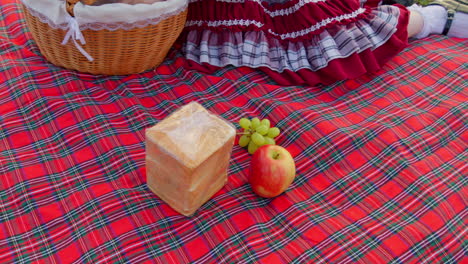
{"type": "Point", "coordinates": [257, 133]}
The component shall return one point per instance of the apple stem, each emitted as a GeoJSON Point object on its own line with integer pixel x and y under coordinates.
{"type": "Point", "coordinates": [276, 155]}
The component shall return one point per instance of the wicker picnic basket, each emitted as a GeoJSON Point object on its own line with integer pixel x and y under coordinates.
{"type": "Point", "coordinates": [114, 52]}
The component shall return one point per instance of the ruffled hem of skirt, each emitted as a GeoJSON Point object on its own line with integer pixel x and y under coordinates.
{"type": "Point", "coordinates": [339, 53]}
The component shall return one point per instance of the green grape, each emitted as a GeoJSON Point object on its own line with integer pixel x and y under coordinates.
{"type": "Point", "coordinates": [273, 132]}
{"type": "Point", "coordinates": [244, 140]}
{"type": "Point", "coordinates": [252, 147]}
{"type": "Point", "coordinates": [262, 130]}
{"type": "Point", "coordinates": [244, 123]}
{"type": "Point", "coordinates": [266, 123]}
{"type": "Point", "coordinates": [255, 122]}
{"type": "Point", "coordinates": [269, 141]}
{"type": "Point", "coordinates": [258, 139]}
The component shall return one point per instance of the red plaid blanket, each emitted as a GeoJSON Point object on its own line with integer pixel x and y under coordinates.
{"type": "Point", "coordinates": [381, 163]}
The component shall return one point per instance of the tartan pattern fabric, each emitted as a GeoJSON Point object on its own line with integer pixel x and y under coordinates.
{"type": "Point", "coordinates": [381, 162]}
{"type": "Point", "coordinates": [257, 49]}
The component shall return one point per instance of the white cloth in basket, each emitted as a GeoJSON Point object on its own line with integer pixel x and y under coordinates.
{"type": "Point", "coordinates": [110, 16]}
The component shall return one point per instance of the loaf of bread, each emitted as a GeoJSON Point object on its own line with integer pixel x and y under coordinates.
{"type": "Point", "coordinates": [187, 157]}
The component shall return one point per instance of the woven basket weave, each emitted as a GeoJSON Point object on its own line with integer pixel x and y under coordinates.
{"type": "Point", "coordinates": [118, 52]}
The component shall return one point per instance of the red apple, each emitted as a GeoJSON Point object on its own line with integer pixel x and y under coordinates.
{"type": "Point", "coordinates": [272, 170]}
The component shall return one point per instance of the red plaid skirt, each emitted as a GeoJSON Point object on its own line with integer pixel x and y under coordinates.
{"type": "Point", "coordinates": [295, 42]}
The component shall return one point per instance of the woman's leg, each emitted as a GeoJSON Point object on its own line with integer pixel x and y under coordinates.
{"type": "Point", "coordinates": [433, 19]}
{"type": "Point", "coordinates": [415, 23]}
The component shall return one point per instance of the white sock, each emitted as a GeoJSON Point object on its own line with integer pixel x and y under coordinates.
{"type": "Point", "coordinates": [434, 17]}
{"type": "Point", "coordinates": [459, 28]}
